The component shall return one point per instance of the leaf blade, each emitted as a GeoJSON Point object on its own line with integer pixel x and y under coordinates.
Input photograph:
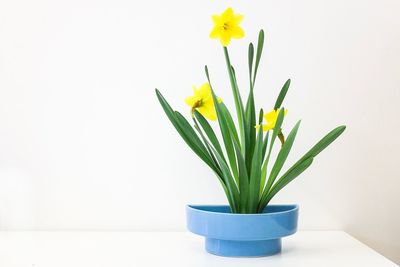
{"type": "Point", "coordinates": [282, 95]}
{"type": "Point", "coordinates": [255, 175]}
{"type": "Point", "coordinates": [289, 176]}
{"type": "Point", "coordinates": [209, 131]}
{"type": "Point", "coordinates": [282, 156]}
{"type": "Point", "coordinates": [325, 141]}
{"type": "Point", "coordinates": [250, 61]}
{"type": "Point", "coordinates": [260, 46]}
{"type": "Point", "coordinates": [230, 182]}
{"type": "Point", "coordinates": [311, 154]}
{"type": "Point", "coordinates": [243, 179]}
{"type": "Point", "coordinates": [199, 150]}
{"type": "Point", "coordinates": [226, 134]}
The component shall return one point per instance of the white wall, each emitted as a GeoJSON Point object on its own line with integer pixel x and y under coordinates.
{"type": "Point", "coordinates": [84, 143]}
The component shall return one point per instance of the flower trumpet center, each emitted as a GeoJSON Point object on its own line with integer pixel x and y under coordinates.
{"type": "Point", "coordinates": [197, 104]}
{"type": "Point", "coordinates": [225, 26]}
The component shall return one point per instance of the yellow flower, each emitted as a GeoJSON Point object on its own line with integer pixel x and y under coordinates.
{"type": "Point", "coordinates": [271, 118]}
{"type": "Point", "coordinates": [226, 26]}
{"type": "Point", "coordinates": [202, 101]}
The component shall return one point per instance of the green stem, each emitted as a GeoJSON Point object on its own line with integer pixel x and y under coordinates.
{"type": "Point", "coordinates": [237, 98]}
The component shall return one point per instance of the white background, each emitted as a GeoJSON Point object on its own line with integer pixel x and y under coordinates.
{"type": "Point", "coordinates": [84, 143]}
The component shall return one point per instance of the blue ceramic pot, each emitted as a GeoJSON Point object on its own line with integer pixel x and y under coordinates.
{"type": "Point", "coordinates": [242, 235]}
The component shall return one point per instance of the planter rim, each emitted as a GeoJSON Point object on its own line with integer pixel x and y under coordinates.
{"type": "Point", "coordinates": [200, 209]}
{"type": "Point", "coordinates": [235, 234]}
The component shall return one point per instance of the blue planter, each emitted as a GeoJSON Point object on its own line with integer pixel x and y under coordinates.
{"type": "Point", "coordinates": [242, 235]}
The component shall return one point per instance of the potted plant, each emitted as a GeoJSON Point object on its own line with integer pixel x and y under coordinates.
{"type": "Point", "coordinates": [241, 158]}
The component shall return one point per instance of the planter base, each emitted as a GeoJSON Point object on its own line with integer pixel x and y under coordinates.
{"type": "Point", "coordinates": [234, 248]}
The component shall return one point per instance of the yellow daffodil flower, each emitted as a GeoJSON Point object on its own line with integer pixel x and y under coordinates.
{"type": "Point", "coordinates": [202, 100]}
{"type": "Point", "coordinates": [271, 118]}
{"type": "Point", "coordinates": [226, 26]}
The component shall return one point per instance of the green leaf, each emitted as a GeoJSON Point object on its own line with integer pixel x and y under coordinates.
{"type": "Point", "coordinates": [282, 156]}
{"type": "Point", "coordinates": [275, 132]}
{"type": "Point", "coordinates": [314, 151]}
{"type": "Point", "coordinates": [243, 179]}
{"type": "Point", "coordinates": [230, 182]}
{"type": "Point", "coordinates": [229, 122]}
{"type": "Point", "coordinates": [264, 167]}
{"type": "Point", "coordinates": [209, 131]}
{"type": "Point", "coordinates": [228, 195]}
{"type": "Point", "coordinates": [250, 59]}
{"type": "Point", "coordinates": [230, 190]}
{"type": "Point", "coordinates": [325, 141]}
{"type": "Point", "coordinates": [192, 140]}
{"type": "Point", "coordinates": [255, 175]}
{"type": "Point", "coordinates": [265, 144]}
{"type": "Point", "coordinates": [260, 117]}
{"type": "Point", "coordinates": [193, 137]}
{"type": "Point", "coordinates": [250, 115]}
{"type": "Point", "coordinates": [250, 129]}
{"type": "Point", "coordinates": [198, 151]}
{"type": "Point", "coordinates": [226, 134]}
{"type": "Point", "coordinates": [188, 130]}
{"type": "Point", "coordinates": [289, 176]}
{"type": "Point", "coordinates": [206, 142]}
{"type": "Point", "coordinates": [260, 46]}
{"type": "Point", "coordinates": [282, 95]}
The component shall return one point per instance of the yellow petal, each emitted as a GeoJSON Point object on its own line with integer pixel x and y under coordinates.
{"type": "Point", "coordinates": [198, 92]}
{"type": "Point", "coordinates": [191, 100]}
{"type": "Point", "coordinates": [227, 14]}
{"type": "Point", "coordinates": [204, 91]}
{"type": "Point", "coordinates": [225, 38]}
{"type": "Point", "coordinates": [216, 19]}
{"type": "Point", "coordinates": [215, 32]}
{"type": "Point", "coordinates": [195, 89]}
{"type": "Point", "coordinates": [208, 112]}
{"type": "Point", "coordinates": [237, 18]}
{"type": "Point", "coordinates": [267, 127]}
{"type": "Point", "coordinates": [271, 116]}
{"type": "Point", "coordinates": [237, 32]}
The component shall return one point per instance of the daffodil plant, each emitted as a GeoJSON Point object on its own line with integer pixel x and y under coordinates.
{"type": "Point", "coordinates": [241, 161]}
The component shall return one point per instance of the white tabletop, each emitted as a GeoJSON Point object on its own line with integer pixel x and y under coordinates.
{"type": "Point", "coordinates": [120, 249]}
